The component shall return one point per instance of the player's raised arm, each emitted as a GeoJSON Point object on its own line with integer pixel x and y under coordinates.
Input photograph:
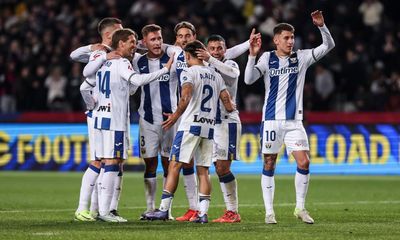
{"type": "Point", "coordinates": [238, 50]}
{"type": "Point", "coordinates": [327, 41]}
{"type": "Point", "coordinates": [254, 72]}
{"type": "Point", "coordinates": [230, 70]}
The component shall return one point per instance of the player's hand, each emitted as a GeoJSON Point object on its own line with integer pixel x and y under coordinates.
{"type": "Point", "coordinates": [255, 46]}
{"type": "Point", "coordinates": [113, 55]}
{"type": "Point", "coordinates": [171, 120]}
{"type": "Point", "coordinates": [318, 18]}
{"type": "Point", "coordinates": [97, 46]}
{"type": "Point", "coordinates": [170, 61]}
{"type": "Point", "coordinates": [203, 54]}
{"type": "Point", "coordinates": [254, 35]}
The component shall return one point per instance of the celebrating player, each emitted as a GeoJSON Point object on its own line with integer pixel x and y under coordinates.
{"type": "Point", "coordinates": [94, 172]}
{"type": "Point", "coordinates": [156, 98]}
{"type": "Point", "coordinates": [284, 73]}
{"type": "Point", "coordinates": [114, 80]}
{"type": "Point", "coordinates": [201, 88]}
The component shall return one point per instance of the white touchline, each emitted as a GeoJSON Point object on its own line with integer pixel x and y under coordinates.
{"type": "Point", "coordinates": [243, 205]}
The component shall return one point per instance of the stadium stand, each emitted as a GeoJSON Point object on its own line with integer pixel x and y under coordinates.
{"type": "Point", "coordinates": [361, 73]}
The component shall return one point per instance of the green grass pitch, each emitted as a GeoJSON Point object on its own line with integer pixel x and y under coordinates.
{"type": "Point", "coordinates": [41, 205]}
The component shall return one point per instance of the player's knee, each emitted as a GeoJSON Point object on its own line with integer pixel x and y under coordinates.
{"type": "Point", "coordinates": [221, 168]}
{"type": "Point", "coordinates": [96, 164]}
{"type": "Point", "coordinates": [303, 163]}
{"type": "Point", "coordinates": [269, 161]}
{"type": "Point", "coordinates": [151, 164]}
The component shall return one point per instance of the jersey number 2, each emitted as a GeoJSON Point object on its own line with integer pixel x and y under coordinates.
{"type": "Point", "coordinates": [104, 83]}
{"type": "Point", "coordinates": [208, 90]}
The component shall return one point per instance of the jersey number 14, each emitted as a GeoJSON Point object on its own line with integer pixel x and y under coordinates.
{"type": "Point", "coordinates": [104, 83]}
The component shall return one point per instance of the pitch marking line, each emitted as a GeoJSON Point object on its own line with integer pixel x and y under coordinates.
{"type": "Point", "coordinates": [212, 206]}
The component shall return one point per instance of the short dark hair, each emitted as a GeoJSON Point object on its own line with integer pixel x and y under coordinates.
{"type": "Point", "coordinates": [184, 24]}
{"type": "Point", "coordinates": [107, 22]}
{"type": "Point", "coordinates": [122, 35]}
{"type": "Point", "coordinates": [283, 27]}
{"type": "Point", "coordinates": [215, 38]}
{"type": "Point", "coordinates": [192, 47]}
{"type": "Point", "coordinates": [150, 28]}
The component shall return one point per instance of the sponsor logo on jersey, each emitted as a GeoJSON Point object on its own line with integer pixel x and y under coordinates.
{"type": "Point", "coordinates": [181, 65]}
{"type": "Point", "coordinates": [164, 78]}
{"type": "Point", "coordinates": [104, 108]}
{"type": "Point", "coordinates": [108, 63]}
{"type": "Point", "coordinates": [203, 120]}
{"type": "Point", "coordinates": [282, 71]}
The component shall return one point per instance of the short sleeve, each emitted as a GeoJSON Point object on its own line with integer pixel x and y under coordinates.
{"type": "Point", "coordinates": [125, 69]}
{"type": "Point", "coordinates": [187, 77]}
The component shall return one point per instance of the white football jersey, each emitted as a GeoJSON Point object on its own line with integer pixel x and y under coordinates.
{"type": "Point", "coordinates": [199, 116]}
{"type": "Point", "coordinates": [284, 78]}
{"type": "Point", "coordinates": [231, 86]}
{"type": "Point", "coordinates": [160, 96]}
{"type": "Point", "coordinates": [112, 82]}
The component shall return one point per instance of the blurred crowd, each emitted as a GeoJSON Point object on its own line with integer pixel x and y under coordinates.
{"type": "Point", "coordinates": [362, 73]}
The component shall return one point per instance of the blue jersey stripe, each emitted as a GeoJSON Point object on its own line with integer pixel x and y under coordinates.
{"type": "Point", "coordinates": [232, 141]}
{"type": "Point", "coordinates": [291, 91]}
{"type": "Point", "coordinates": [180, 65]}
{"type": "Point", "coordinates": [164, 90]}
{"type": "Point", "coordinates": [218, 114]}
{"type": "Point", "coordinates": [143, 65]}
{"type": "Point", "coordinates": [176, 146]}
{"type": "Point", "coordinates": [273, 89]}
{"type": "Point", "coordinates": [119, 144]}
{"type": "Point", "coordinates": [195, 130]}
{"type": "Point", "coordinates": [105, 123]}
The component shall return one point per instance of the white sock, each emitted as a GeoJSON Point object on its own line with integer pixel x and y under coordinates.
{"type": "Point", "coordinates": [204, 204]}
{"type": "Point", "coordinates": [166, 201]}
{"type": "Point", "coordinates": [99, 180]}
{"type": "Point", "coordinates": [229, 190]}
{"type": "Point", "coordinates": [117, 192]}
{"type": "Point", "coordinates": [87, 186]}
{"type": "Point", "coordinates": [107, 188]}
{"type": "Point", "coordinates": [150, 187]}
{"type": "Point", "coordinates": [268, 189]}
{"type": "Point", "coordinates": [301, 182]}
{"type": "Point", "coordinates": [94, 204]}
{"type": "Point", "coordinates": [190, 184]}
